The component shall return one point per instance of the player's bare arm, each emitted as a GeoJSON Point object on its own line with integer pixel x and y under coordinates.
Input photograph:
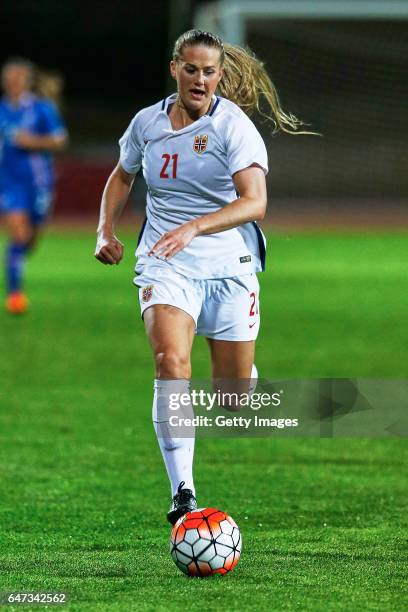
{"type": "Point", "coordinates": [33, 142]}
{"type": "Point", "coordinates": [109, 249]}
{"type": "Point", "coordinates": [250, 206]}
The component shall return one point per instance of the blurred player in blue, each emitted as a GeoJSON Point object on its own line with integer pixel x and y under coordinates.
{"type": "Point", "coordinates": [31, 129]}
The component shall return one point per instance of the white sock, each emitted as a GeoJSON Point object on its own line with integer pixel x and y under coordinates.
{"type": "Point", "coordinates": [178, 452]}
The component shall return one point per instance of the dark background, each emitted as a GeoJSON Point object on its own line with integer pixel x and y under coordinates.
{"type": "Point", "coordinates": [347, 79]}
{"type": "Point", "coordinates": [106, 50]}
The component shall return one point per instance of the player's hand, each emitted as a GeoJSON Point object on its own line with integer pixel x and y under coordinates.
{"type": "Point", "coordinates": [109, 250]}
{"type": "Point", "coordinates": [175, 241]}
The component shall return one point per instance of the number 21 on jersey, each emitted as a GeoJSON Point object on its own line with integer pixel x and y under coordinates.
{"type": "Point", "coordinates": [165, 169]}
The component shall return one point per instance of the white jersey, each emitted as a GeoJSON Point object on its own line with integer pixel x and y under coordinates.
{"type": "Point", "coordinates": [188, 173]}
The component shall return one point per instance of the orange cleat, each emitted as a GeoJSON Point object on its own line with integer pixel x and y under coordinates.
{"type": "Point", "coordinates": [17, 303]}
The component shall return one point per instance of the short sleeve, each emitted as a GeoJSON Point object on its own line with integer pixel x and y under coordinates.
{"type": "Point", "coordinates": [51, 121]}
{"type": "Point", "coordinates": [245, 145]}
{"type": "Point", "coordinates": [131, 153]}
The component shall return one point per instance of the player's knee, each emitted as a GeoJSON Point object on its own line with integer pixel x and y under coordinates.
{"type": "Point", "coordinates": [172, 364]}
{"type": "Point", "coordinates": [231, 404]}
{"type": "Point", "coordinates": [232, 394]}
{"type": "Point", "coordinates": [172, 444]}
{"type": "Point", "coordinates": [21, 234]}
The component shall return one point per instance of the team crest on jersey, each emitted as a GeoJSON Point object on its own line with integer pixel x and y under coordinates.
{"type": "Point", "coordinates": [147, 293]}
{"type": "Point", "coordinates": [200, 143]}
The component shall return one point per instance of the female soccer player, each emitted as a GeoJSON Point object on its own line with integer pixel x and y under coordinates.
{"type": "Point", "coordinates": [30, 130]}
{"type": "Point", "coordinates": [204, 163]}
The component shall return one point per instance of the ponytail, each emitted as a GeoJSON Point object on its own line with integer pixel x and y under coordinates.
{"type": "Point", "coordinates": [49, 84]}
{"type": "Point", "coordinates": [245, 81]}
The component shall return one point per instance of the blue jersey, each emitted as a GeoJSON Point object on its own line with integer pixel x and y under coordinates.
{"type": "Point", "coordinates": [22, 167]}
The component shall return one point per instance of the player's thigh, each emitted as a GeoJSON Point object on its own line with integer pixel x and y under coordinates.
{"type": "Point", "coordinates": [231, 359]}
{"type": "Point", "coordinates": [171, 333]}
{"type": "Point", "coordinates": [230, 309]}
{"type": "Point", "coordinates": [230, 321]}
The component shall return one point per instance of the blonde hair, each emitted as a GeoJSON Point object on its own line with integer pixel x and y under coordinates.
{"type": "Point", "coordinates": [49, 84]}
{"type": "Point", "coordinates": [245, 81]}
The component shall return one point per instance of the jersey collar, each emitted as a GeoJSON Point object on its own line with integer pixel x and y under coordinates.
{"type": "Point", "coordinates": [25, 100]}
{"type": "Point", "coordinates": [204, 119]}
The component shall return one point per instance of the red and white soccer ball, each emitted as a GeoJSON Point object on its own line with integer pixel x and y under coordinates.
{"type": "Point", "coordinates": [205, 542]}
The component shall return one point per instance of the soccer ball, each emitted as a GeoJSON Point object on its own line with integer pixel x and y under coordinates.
{"type": "Point", "coordinates": [205, 542]}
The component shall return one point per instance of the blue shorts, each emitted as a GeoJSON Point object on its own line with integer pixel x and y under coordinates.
{"type": "Point", "coordinates": [34, 201]}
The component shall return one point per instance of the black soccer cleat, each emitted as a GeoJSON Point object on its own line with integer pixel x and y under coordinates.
{"type": "Point", "coordinates": [184, 501]}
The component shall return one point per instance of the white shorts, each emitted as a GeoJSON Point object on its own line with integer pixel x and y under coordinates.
{"type": "Point", "coordinates": [222, 309]}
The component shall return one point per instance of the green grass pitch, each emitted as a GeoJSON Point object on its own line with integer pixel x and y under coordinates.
{"type": "Point", "coordinates": [83, 489]}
